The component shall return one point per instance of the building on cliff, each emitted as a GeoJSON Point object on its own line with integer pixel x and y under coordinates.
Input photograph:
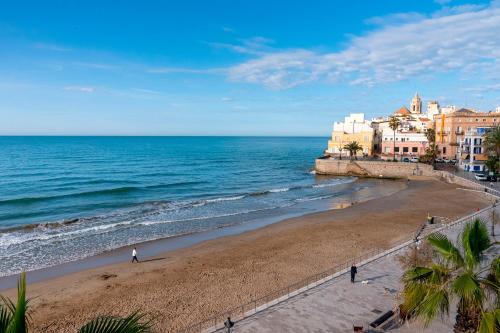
{"type": "Point", "coordinates": [353, 128]}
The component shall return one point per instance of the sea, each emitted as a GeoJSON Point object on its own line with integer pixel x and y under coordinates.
{"type": "Point", "coordinates": [66, 198]}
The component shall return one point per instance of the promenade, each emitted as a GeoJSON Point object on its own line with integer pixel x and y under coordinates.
{"type": "Point", "coordinates": [337, 305]}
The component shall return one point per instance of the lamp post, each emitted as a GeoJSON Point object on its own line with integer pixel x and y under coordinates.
{"type": "Point", "coordinates": [493, 218]}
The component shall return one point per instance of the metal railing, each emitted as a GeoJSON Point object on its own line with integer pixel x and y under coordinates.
{"type": "Point", "coordinates": [478, 185]}
{"type": "Point", "coordinates": [254, 306]}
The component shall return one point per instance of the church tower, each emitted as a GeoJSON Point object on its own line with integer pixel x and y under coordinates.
{"type": "Point", "coordinates": [416, 104]}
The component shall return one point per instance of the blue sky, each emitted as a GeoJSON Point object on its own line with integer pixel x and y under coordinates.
{"type": "Point", "coordinates": [237, 67]}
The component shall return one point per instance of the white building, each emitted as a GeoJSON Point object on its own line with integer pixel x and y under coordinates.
{"type": "Point", "coordinates": [353, 123]}
{"type": "Point", "coordinates": [448, 109]}
{"type": "Point", "coordinates": [471, 153]}
{"type": "Point", "coordinates": [353, 128]}
{"type": "Point", "coordinates": [432, 109]}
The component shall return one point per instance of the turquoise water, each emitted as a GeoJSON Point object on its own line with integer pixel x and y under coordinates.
{"type": "Point", "coordinates": [65, 198]}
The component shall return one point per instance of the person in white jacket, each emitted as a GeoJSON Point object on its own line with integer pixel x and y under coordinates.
{"type": "Point", "coordinates": [134, 255]}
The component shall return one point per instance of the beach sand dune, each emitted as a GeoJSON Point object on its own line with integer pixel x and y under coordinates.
{"type": "Point", "coordinates": [185, 286]}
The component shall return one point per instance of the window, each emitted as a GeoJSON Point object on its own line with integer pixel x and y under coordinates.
{"type": "Point", "coordinates": [444, 150]}
{"type": "Point", "coordinates": [477, 119]}
{"type": "Point", "coordinates": [414, 149]}
{"type": "Point", "coordinates": [396, 149]}
{"type": "Point", "coordinates": [387, 149]}
{"type": "Point", "coordinates": [484, 119]}
{"type": "Point", "coordinates": [405, 149]}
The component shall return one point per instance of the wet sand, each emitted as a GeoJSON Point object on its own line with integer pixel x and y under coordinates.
{"type": "Point", "coordinates": [184, 286]}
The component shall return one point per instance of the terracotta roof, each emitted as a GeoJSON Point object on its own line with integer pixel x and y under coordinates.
{"type": "Point", "coordinates": [463, 110]}
{"type": "Point", "coordinates": [403, 111]}
{"type": "Point", "coordinates": [424, 119]}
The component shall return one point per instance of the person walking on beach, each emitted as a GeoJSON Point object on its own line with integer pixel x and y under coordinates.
{"type": "Point", "coordinates": [228, 324]}
{"type": "Point", "coordinates": [134, 255]}
{"type": "Point", "coordinates": [354, 271]}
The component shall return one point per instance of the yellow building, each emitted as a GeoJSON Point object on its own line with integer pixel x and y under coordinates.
{"type": "Point", "coordinates": [354, 128]}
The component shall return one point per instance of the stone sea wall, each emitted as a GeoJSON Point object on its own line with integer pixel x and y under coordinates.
{"type": "Point", "coordinates": [373, 169]}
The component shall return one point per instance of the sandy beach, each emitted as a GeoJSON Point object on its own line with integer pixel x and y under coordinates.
{"type": "Point", "coordinates": [184, 286]}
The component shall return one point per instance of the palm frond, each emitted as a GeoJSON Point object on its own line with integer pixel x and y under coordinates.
{"type": "Point", "coordinates": [467, 287]}
{"type": "Point", "coordinates": [475, 241]}
{"type": "Point", "coordinates": [417, 274]}
{"type": "Point", "coordinates": [413, 295]}
{"type": "Point", "coordinates": [133, 323]}
{"type": "Point", "coordinates": [19, 321]}
{"type": "Point", "coordinates": [5, 317]}
{"type": "Point", "coordinates": [436, 302]}
{"type": "Point", "coordinates": [446, 249]}
{"type": "Point", "coordinates": [490, 322]}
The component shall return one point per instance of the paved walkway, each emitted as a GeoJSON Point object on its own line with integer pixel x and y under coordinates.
{"type": "Point", "coordinates": [338, 305]}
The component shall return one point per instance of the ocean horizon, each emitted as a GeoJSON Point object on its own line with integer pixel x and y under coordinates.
{"type": "Point", "coordinates": [67, 198]}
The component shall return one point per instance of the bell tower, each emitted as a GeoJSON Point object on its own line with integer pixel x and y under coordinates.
{"type": "Point", "coordinates": [416, 104]}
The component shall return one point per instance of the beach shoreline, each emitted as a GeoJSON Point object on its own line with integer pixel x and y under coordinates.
{"type": "Point", "coordinates": [163, 245]}
{"type": "Point", "coordinates": [189, 284]}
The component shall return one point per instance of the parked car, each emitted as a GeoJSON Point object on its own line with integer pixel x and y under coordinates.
{"type": "Point", "coordinates": [414, 159]}
{"type": "Point", "coordinates": [406, 159]}
{"type": "Point", "coordinates": [492, 179]}
{"type": "Point", "coordinates": [439, 160]}
{"type": "Point", "coordinates": [445, 160]}
{"type": "Point", "coordinates": [481, 176]}
{"type": "Point", "coordinates": [453, 161]}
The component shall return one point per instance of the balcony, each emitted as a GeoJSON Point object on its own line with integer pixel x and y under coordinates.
{"type": "Point", "coordinates": [459, 132]}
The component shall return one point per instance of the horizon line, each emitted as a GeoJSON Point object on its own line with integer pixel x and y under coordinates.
{"type": "Point", "coordinates": [161, 135]}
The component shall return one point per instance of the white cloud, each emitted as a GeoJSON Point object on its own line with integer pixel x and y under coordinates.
{"type": "Point", "coordinates": [430, 45]}
{"type": "Point", "coordinates": [80, 89]}
{"type": "Point", "coordinates": [168, 70]}
{"type": "Point", "coordinates": [227, 29]}
{"type": "Point", "coordinates": [51, 47]}
{"type": "Point", "coordinates": [95, 65]}
{"type": "Point", "coordinates": [255, 46]}
{"type": "Point", "coordinates": [147, 91]}
{"type": "Point", "coordinates": [485, 88]}
{"type": "Point", "coordinates": [393, 19]}
{"type": "Point", "coordinates": [442, 2]}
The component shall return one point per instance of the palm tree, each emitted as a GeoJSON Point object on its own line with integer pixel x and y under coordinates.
{"type": "Point", "coordinates": [15, 318]}
{"type": "Point", "coordinates": [393, 125]}
{"type": "Point", "coordinates": [492, 142]}
{"type": "Point", "coordinates": [430, 134]}
{"type": "Point", "coordinates": [455, 273]}
{"type": "Point", "coordinates": [431, 153]}
{"type": "Point", "coordinates": [133, 323]}
{"type": "Point", "coordinates": [492, 163]}
{"type": "Point", "coordinates": [353, 148]}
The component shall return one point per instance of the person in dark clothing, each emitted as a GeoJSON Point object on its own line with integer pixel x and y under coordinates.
{"type": "Point", "coordinates": [354, 271]}
{"type": "Point", "coordinates": [228, 324]}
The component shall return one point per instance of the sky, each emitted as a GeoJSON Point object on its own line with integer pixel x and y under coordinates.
{"type": "Point", "coordinates": [238, 67]}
